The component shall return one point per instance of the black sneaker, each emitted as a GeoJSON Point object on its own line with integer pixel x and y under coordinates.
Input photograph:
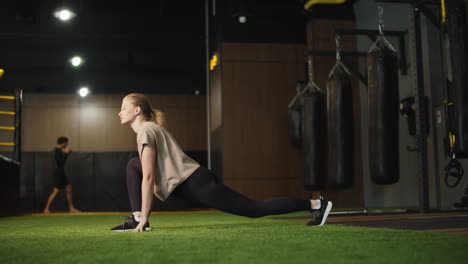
{"type": "Point", "coordinates": [319, 216]}
{"type": "Point", "coordinates": [129, 225]}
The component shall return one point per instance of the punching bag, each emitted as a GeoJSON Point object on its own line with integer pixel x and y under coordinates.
{"type": "Point", "coordinates": [383, 113]}
{"type": "Point", "coordinates": [313, 139]}
{"type": "Point", "coordinates": [457, 34]}
{"type": "Point", "coordinates": [340, 132]}
{"type": "Point", "coordinates": [295, 125]}
{"type": "Point", "coordinates": [295, 116]}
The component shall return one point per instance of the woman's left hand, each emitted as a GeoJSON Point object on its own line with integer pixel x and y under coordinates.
{"type": "Point", "coordinates": [141, 226]}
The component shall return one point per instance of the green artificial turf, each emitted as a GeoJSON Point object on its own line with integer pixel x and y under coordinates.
{"type": "Point", "coordinates": [217, 238]}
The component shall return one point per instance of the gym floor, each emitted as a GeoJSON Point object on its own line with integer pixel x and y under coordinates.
{"type": "Point", "coordinates": [215, 237]}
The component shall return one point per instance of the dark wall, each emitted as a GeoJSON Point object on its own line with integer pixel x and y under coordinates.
{"type": "Point", "coordinates": [267, 22]}
{"type": "Point", "coordinates": [132, 47]}
{"type": "Point", "coordinates": [9, 188]}
{"type": "Point", "coordinates": [98, 180]}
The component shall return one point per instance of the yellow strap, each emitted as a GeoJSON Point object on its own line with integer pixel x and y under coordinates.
{"type": "Point", "coordinates": [448, 103]}
{"type": "Point", "coordinates": [310, 3]}
{"type": "Point", "coordinates": [452, 139]}
{"type": "Point", "coordinates": [7, 144]}
{"type": "Point", "coordinates": [7, 128]}
{"type": "Point", "coordinates": [443, 11]}
{"type": "Point", "coordinates": [6, 113]}
{"type": "Point", "coordinates": [1, 72]}
{"type": "Point", "coordinates": [7, 97]}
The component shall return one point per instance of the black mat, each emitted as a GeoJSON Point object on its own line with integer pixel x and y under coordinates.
{"type": "Point", "coordinates": [412, 223]}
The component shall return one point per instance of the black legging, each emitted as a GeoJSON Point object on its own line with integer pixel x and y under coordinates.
{"type": "Point", "coordinates": [202, 187]}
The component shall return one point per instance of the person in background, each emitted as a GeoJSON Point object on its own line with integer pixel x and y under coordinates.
{"type": "Point", "coordinates": [61, 152]}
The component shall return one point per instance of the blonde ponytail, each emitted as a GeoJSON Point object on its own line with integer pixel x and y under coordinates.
{"type": "Point", "coordinates": [159, 118]}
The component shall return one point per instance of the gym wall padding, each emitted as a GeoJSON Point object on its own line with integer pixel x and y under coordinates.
{"type": "Point", "coordinates": [27, 182]}
{"type": "Point", "coordinates": [98, 180]}
{"type": "Point", "coordinates": [109, 181]}
{"type": "Point", "coordinates": [83, 174]}
{"type": "Point", "coordinates": [43, 181]}
{"type": "Point", "coordinates": [10, 188]}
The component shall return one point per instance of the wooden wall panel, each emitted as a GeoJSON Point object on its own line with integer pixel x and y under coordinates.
{"type": "Point", "coordinates": [42, 126]}
{"type": "Point", "coordinates": [92, 123]}
{"type": "Point", "coordinates": [216, 99]}
{"type": "Point", "coordinates": [188, 126]}
{"type": "Point", "coordinates": [254, 119]}
{"type": "Point", "coordinates": [216, 102]}
{"type": "Point", "coordinates": [258, 82]}
{"type": "Point", "coordinates": [100, 130]}
{"type": "Point", "coordinates": [261, 52]}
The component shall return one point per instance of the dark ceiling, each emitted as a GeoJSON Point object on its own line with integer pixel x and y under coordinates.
{"type": "Point", "coordinates": [137, 46]}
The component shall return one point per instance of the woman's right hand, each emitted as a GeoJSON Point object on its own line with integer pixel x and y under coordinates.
{"type": "Point", "coordinates": [141, 226]}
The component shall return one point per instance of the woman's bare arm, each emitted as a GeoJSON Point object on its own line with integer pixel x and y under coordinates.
{"type": "Point", "coordinates": [148, 159]}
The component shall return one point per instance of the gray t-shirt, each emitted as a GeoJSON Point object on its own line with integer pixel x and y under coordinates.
{"type": "Point", "coordinates": [172, 165]}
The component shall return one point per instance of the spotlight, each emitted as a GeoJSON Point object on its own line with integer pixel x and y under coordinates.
{"type": "Point", "coordinates": [76, 61]}
{"type": "Point", "coordinates": [242, 19]}
{"type": "Point", "coordinates": [197, 92]}
{"type": "Point", "coordinates": [242, 12]}
{"type": "Point", "coordinates": [84, 91]}
{"type": "Point", "coordinates": [64, 14]}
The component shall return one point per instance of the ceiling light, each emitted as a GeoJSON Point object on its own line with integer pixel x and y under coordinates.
{"type": "Point", "coordinates": [64, 14]}
{"type": "Point", "coordinates": [84, 91]}
{"type": "Point", "coordinates": [242, 19]}
{"type": "Point", "coordinates": [76, 61]}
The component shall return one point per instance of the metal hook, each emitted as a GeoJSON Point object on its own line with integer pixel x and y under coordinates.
{"type": "Point", "coordinates": [380, 13]}
{"type": "Point", "coordinates": [338, 49]}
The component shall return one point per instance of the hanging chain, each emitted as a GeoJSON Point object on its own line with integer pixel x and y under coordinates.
{"type": "Point", "coordinates": [310, 69]}
{"type": "Point", "coordinates": [312, 85]}
{"type": "Point", "coordinates": [338, 49]}
{"type": "Point", "coordinates": [381, 23]}
{"type": "Point", "coordinates": [338, 64]}
{"type": "Point", "coordinates": [381, 40]}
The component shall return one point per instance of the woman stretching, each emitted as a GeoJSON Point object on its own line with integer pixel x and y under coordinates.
{"type": "Point", "coordinates": [163, 168]}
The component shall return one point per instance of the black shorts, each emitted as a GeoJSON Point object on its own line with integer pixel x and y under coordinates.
{"type": "Point", "coordinates": [60, 180]}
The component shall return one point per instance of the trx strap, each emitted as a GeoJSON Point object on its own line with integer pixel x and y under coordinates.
{"type": "Point", "coordinates": [443, 11]}
{"type": "Point", "coordinates": [310, 3]}
{"type": "Point", "coordinates": [453, 168]}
